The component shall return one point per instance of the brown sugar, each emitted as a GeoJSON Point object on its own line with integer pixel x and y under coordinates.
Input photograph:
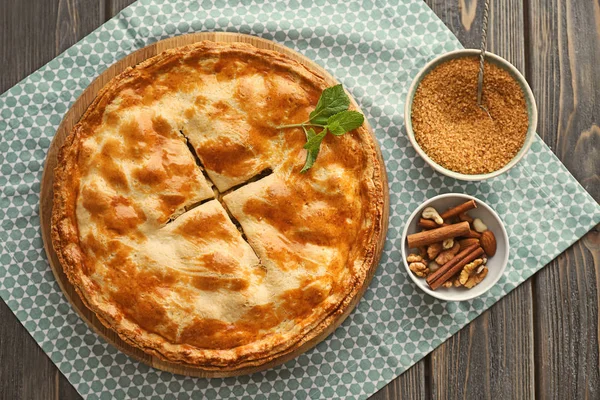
{"type": "Point", "coordinates": [452, 129]}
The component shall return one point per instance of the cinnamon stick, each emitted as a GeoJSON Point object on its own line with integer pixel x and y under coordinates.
{"type": "Point", "coordinates": [462, 208]}
{"type": "Point", "coordinates": [429, 224]}
{"type": "Point", "coordinates": [453, 266]}
{"type": "Point", "coordinates": [472, 234]}
{"type": "Point", "coordinates": [437, 235]}
{"type": "Point", "coordinates": [459, 256]}
{"type": "Point", "coordinates": [465, 217]}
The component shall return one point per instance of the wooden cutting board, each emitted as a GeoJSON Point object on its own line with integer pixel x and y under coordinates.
{"type": "Point", "coordinates": [72, 117]}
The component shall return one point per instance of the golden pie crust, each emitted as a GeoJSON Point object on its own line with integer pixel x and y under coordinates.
{"type": "Point", "coordinates": [173, 234]}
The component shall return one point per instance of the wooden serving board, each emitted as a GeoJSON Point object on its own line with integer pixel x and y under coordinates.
{"type": "Point", "coordinates": [72, 117]}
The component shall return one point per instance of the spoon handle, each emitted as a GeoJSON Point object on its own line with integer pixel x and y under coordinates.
{"type": "Point", "coordinates": [483, 47]}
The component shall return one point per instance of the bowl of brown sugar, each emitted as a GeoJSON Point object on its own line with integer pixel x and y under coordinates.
{"type": "Point", "coordinates": [452, 133]}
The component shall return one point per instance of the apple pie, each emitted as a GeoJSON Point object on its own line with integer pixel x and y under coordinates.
{"type": "Point", "coordinates": [183, 221]}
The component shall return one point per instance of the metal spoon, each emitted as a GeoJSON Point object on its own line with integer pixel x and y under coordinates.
{"type": "Point", "coordinates": [482, 57]}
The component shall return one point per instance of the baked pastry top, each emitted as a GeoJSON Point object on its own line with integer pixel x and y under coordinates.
{"type": "Point", "coordinates": [183, 221]}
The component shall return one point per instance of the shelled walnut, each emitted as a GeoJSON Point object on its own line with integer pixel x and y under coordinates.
{"type": "Point", "coordinates": [433, 250]}
{"type": "Point", "coordinates": [473, 273]}
{"type": "Point", "coordinates": [456, 280]}
{"type": "Point", "coordinates": [447, 255]}
{"type": "Point", "coordinates": [416, 264]}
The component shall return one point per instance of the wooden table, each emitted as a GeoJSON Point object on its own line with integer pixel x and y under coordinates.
{"type": "Point", "coordinates": [539, 341]}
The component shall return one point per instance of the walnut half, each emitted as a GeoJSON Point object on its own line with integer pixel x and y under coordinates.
{"type": "Point", "coordinates": [433, 250]}
{"type": "Point", "coordinates": [447, 255]}
{"type": "Point", "coordinates": [473, 273]}
{"type": "Point", "coordinates": [416, 264]}
{"type": "Point", "coordinates": [419, 269]}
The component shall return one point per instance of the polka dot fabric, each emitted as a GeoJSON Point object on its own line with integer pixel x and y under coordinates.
{"type": "Point", "coordinates": [374, 48]}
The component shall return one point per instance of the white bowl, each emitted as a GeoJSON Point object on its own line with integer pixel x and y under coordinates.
{"type": "Point", "coordinates": [496, 264]}
{"type": "Point", "coordinates": [491, 58]}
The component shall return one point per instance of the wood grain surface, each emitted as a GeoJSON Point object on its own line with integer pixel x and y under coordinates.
{"type": "Point", "coordinates": [47, 195]}
{"type": "Point", "coordinates": [557, 312]}
{"type": "Point", "coordinates": [564, 71]}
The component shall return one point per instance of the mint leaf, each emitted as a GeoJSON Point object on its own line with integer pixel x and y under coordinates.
{"type": "Point", "coordinates": [310, 133]}
{"type": "Point", "coordinates": [312, 146]}
{"type": "Point", "coordinates": [315, 140]}
{"type": "Point", "coordinates": [331, 115]}
{"type": "Point", "coordinates": [344, 121]}
{"type": "Point", "coordinates": [332, 101]}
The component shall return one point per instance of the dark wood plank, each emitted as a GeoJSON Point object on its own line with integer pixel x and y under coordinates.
{"type": "Point", "coordinates": [409, 385]}
{"type": "Point", "coordinates": [29, 40]}
{"type": "Point", "coordinates": [63, 389]}
{"type": "Point", "coordinates": [565, 77]}
{"type": "Point", "coordinates": [114, 6]}
{"type": "Point", "coordinates": [75, 19]}
{"type": "Point", "coordinates": [26, 372]}
{"type": "Point", "coordinates": [493, 356]}
{"type": "Point", "coordinates": [33, 32]}
{"type": "Point", "coordinates": [25, 44]}
{"type": "Point", "coordinates": [564, 56]}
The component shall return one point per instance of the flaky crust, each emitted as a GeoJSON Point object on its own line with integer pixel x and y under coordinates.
{"type": "Point", "coordinates": [75, 261]}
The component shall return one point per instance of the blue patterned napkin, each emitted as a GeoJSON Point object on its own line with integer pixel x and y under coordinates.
{"type": "Point", "coordinates": [374, 48]}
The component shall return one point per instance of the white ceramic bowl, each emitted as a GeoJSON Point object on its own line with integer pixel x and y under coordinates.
{"type": "Point", "coordinates": [496, 264]}
{"type": "Point", "coordinates": [494, 59]}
